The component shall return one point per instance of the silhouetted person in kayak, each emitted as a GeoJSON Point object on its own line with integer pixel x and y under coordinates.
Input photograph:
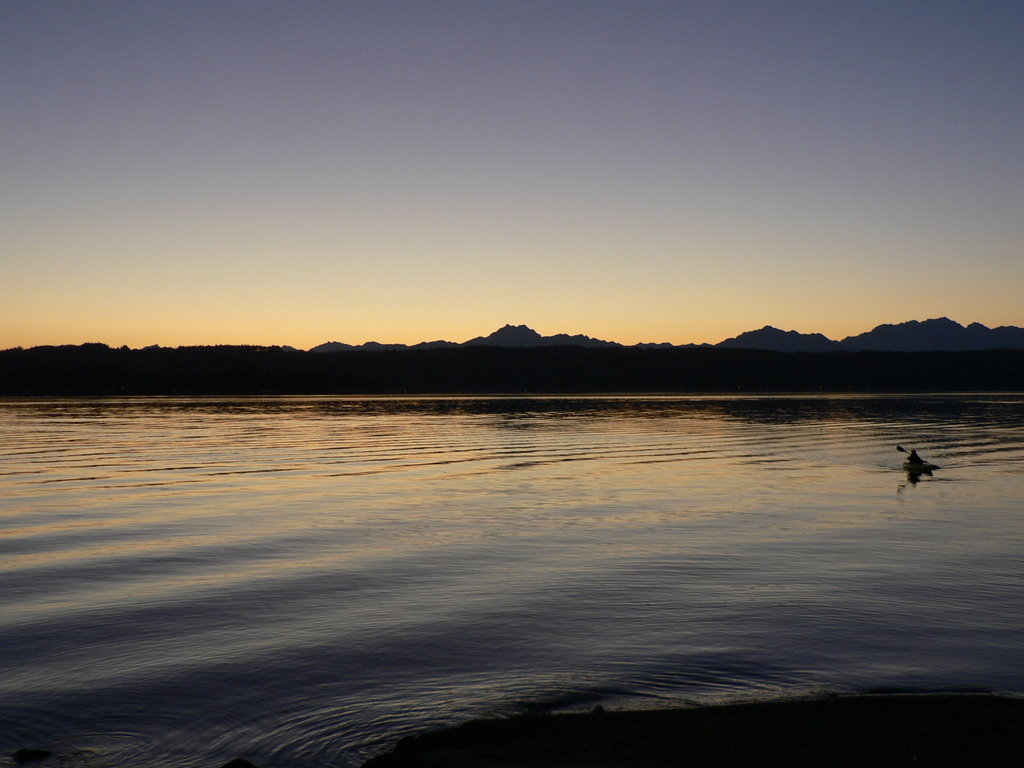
{"type": "Point", "coordinates": [911, 457]}
{"type": "Point", "coordinates": [913, 460]}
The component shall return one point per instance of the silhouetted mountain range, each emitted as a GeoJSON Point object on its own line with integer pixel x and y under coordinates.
{"type": "Point", "coordinates": [940, 334]}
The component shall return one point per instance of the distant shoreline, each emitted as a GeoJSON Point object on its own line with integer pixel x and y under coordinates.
{"type": "Point", "coordinates": [932, 730]}
{"type": "Point", "coordinates": [98, 370]}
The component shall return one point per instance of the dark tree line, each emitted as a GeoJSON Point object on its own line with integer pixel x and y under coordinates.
{"type": "Point", "coordinates": [95, 369]}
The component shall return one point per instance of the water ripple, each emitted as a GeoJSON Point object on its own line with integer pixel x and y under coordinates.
{"type": "Point", "coordinates": [303, 580]}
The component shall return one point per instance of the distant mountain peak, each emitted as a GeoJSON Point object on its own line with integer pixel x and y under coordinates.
{"type": "Point", "coordinates": [514, 336]}
{"type": "Point", "coordinates": [332, 346]}
{"type": "Point", "coordinates": [524, 336]}
{"type": "Point", "coordinates": [770, 338]}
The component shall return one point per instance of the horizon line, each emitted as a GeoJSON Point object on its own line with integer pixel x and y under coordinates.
{"type": "Point", "coordinates": [522, 328]}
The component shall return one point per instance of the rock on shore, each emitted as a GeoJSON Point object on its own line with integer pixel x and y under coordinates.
{"type": "Point", "coordinates": [977, 730]}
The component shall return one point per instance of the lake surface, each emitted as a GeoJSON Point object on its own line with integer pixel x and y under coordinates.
{"type": "Point", "coordinates": [301, 581]}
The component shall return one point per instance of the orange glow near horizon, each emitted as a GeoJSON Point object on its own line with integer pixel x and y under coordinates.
{"type": "Point", "coordinates": [665, 172]}
{"type": "Point", "coordinates": [296, 335]}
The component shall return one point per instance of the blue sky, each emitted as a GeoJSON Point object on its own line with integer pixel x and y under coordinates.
{"type": "Point", "coordinates": [293, 172]}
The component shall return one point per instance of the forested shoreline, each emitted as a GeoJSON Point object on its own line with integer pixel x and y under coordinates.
{"type": "Point", "coordinates": [99, 370]}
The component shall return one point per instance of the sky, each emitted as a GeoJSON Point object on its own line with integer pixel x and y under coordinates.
{"type": "Point", "coordinates": [297, 172]}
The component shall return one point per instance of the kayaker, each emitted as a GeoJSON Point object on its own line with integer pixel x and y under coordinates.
{"type": "Point", "coordinates": [915, 463]}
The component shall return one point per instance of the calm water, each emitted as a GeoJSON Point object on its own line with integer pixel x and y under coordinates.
{"type": "Point", "coordinates": [300, 581]}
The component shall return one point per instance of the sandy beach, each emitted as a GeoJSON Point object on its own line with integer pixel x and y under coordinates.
{"type": "Point", "coordinates": [866, 730]}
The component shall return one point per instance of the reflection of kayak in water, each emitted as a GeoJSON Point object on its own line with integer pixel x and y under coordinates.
{"type": "Point", "coordinates": [915, 463]}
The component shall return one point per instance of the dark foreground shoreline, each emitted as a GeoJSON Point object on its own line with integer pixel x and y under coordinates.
{"type": "Point", "coordinates": [98, 370]}
{"type": "Point", "coordinates": [875, 731]}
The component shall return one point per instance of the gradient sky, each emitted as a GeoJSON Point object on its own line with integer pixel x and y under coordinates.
{"type": "Point", "coordinates": [298, 172]}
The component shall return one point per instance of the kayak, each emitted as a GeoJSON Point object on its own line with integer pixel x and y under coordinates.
{"type": "Point", "coordinates": [914, 463]}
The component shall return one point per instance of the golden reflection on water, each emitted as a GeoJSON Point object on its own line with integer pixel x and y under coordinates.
{"type": "Point", "coordinates": [283, 559]}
